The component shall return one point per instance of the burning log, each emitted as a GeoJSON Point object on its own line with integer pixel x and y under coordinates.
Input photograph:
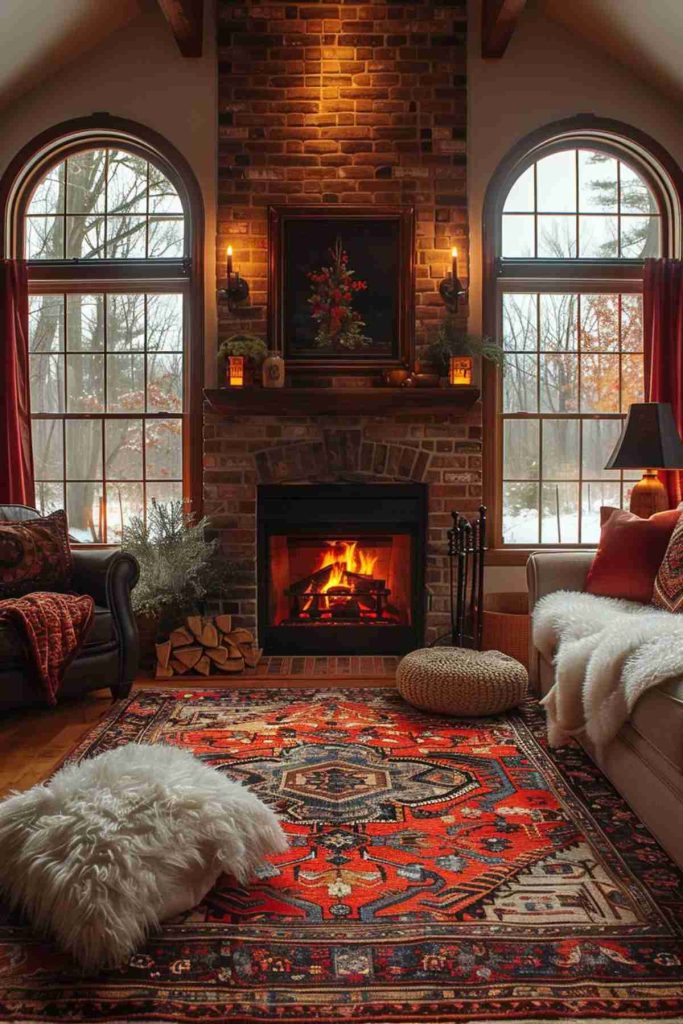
{"type": "Point", "coordinates": [313, 583]}
{"type": "Point", "coordinates": [364, 584]}
{"type": "Point", "coordinates": [205, 645]}
{"type": "Point", "coordinates": [355, 598]}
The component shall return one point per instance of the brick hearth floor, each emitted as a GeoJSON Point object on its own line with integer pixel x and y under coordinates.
{"type": "Point", "coordinates": [368, 666]}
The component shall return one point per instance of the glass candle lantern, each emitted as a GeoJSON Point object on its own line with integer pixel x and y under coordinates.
{"type": "Point", "coordinates": [235, 374]}
{"type": "Point", "coordinates": [460, 370]}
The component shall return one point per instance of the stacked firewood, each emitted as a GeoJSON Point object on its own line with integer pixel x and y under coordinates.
{"type": "Point", "coordinates": [204, 645]}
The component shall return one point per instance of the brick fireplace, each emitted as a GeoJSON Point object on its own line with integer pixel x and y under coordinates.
{"type": "Point", "coordinates": [441, 450]}
{"type": "Point", "coordinates": [357, 104]}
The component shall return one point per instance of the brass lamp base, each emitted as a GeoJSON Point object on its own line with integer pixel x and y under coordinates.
{"type": "Point", "coordinates": [649, 495]}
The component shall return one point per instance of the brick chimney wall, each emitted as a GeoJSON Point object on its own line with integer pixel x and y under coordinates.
{"type": "Point", "coordinates": [342, 103]}
{"type": "Point", "coordinates": [357, 104]}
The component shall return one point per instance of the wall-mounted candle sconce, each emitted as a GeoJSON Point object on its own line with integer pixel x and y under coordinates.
{"type": "Point", "coordinates": [451, 288]}
{"type": "Point", "coordinates": [238, 289]}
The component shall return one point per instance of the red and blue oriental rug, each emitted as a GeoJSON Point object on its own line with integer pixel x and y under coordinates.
{"type": "Point", "coordinates": [440, 870]}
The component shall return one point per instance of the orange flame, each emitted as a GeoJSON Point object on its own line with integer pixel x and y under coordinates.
{"type": "Point", "coordinates": [344, 557]}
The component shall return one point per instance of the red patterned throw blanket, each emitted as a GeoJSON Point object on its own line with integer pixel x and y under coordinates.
{"type": "Point", "coordinates": [53, 626]}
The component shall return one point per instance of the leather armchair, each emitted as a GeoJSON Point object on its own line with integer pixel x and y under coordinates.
{"type": "Point", "coordinates": [110, 652]}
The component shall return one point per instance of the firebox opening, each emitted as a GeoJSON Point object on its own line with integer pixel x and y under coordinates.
{"type": "Point", "coordinates": [340, 581]}
{"type": "Point", "coordinates": [340, 568]}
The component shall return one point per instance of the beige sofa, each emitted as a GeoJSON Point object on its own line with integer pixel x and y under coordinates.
{"type": "Point", "coordinates": [645, 762]}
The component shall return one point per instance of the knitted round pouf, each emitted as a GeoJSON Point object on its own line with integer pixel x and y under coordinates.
{"type": "Point", "coordinates": [458, 681]}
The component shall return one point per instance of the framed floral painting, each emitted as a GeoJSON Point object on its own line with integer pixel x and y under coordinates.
{"type": "Point", "coordinates": [341, 287]}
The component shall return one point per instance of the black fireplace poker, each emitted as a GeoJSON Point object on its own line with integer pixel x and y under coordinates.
{"type": "Point", "coordinates": [466, 547]}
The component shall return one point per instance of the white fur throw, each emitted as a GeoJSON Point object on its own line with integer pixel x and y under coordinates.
{"type": "Point", "coordinates": [110, 847]}
{"type": "Point", "coordinates": [607, 654]}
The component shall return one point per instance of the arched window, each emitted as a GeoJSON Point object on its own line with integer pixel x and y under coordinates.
{"type": "Point", "coordinates": [105, 221]}
{"type": "Point", "coordinates": [570, 217]}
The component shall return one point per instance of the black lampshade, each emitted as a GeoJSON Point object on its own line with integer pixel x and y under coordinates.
{"type": "Point", "coordinates": [649, 439]}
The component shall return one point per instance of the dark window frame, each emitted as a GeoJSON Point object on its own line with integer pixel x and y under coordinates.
{"type": "Point", "coordinates": [69, 276]}
{"type": "Point", "coordinates": [665, 180]}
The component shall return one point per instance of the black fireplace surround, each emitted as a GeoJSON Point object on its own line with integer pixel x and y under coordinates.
{"type": "Point", "coordinates": [341, 568]}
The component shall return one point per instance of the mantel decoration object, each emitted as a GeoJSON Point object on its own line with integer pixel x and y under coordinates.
{"type": "Point", "coordinates": [235, 374]}
{"type": "Point", "coordinates": [649, 441]}
{"type": "Point", "coordinates": [341, 288]}
{"type": "Point", "coordinates": [460, 370]}
{"type": "Point", "coordinates": [244, 355]}
{"type": "Point", "coordinates": [273, 370]}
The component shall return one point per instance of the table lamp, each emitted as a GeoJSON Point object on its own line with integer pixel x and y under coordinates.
{"type": "Point", "coordinates": [649, 441]}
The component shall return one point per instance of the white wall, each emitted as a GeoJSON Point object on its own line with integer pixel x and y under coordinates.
{"type": "Point", "coordinates": [546, 74]}
{"type": "Point", "coordinates": [138, 73]}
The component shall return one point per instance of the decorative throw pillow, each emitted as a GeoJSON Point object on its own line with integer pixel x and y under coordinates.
{"type": "Point", "coordinates": [630, 552]}
{"type": "Point", "coordinates": [34, 555]}
{"type": "Point", "coordinates": [112, 846]}
{"type": "Point", "coordinates": [669, 582]}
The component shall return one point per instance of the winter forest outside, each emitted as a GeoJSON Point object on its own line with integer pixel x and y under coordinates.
{"type": "Point", "coordinates": [574, 357]}
{"type": "Point", "coordinates": [106, 366]}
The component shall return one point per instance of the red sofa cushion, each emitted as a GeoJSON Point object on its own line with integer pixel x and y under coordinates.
{"type": "Point", "coordinates": [34, 555]}
{"type": "Point", "coordinates": [630, 553]}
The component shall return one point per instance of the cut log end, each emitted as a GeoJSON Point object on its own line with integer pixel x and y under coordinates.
{"type": "Point", "coordinates": [163, 654]}
{"type": "Point", "coordinates": [180, 637]}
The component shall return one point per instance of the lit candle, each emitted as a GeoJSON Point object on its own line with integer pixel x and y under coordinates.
{"type": "Point", "coordinates": [454, 262]}
{"type": "Point", "coordinates": [229, 262]}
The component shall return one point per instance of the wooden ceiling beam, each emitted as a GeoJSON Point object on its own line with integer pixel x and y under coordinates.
{"type": "Point", "coordinates": [498, 21]}
{"type": "Point", "coordinates": [186, 20]}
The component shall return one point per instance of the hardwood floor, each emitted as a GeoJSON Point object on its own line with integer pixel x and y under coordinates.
{"type": "Point", "coordinates": [33, 742]}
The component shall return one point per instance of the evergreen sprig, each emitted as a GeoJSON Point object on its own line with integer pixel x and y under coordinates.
{"type": "Point", "coordinates": [179, 567]}
{"type": "Point", "coordinates": [451, 340]}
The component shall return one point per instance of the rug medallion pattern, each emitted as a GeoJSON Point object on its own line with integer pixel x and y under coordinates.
{"type": "Point", "coordinates": [439, 870]}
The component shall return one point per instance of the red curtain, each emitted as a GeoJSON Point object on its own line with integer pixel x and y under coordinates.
{"type": "Point", "coordinates": [663, 342]}
{"type": "Point", "coordinates": [16, 456]}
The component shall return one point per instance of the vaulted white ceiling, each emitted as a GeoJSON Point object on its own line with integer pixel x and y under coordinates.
{"type": "Point", "coordinates": [644, 35]}
{"type": "Point", "coordinates": [38, 37]}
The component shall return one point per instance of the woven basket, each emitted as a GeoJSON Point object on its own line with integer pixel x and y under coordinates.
{"type": "Point", "coordinates": [458, 681]}
{"type": "Point", "coordinates": [507, 625]}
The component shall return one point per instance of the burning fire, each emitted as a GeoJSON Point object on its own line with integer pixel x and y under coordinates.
{"type": "Point", "coordinates": [344, 556]}
{"type": "Point", "coordinates": [338, 582]}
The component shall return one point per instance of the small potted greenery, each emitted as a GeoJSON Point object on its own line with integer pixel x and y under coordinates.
{"type": "Point", "coordinates": [452, 348]}
{"type": "Point", "coordinates": [180, 570]}
{"type": "Point", "coordinates": [242, 355]}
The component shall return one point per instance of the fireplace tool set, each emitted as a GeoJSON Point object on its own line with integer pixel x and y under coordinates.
{"type": "Point", "coordinates": [466, 547]}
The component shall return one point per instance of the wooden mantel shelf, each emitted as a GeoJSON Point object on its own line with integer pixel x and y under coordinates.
{"type": "Point", "coordinates": [254, 401]}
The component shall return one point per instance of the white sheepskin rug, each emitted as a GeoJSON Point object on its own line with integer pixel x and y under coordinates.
{"type": "Point", "coordinates": [112, 846]}
{"type": "Point", "coordinates": [607, 654]}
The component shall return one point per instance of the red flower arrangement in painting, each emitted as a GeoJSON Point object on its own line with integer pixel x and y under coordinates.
{"type": "Point", "coordinates": [340, 326]}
